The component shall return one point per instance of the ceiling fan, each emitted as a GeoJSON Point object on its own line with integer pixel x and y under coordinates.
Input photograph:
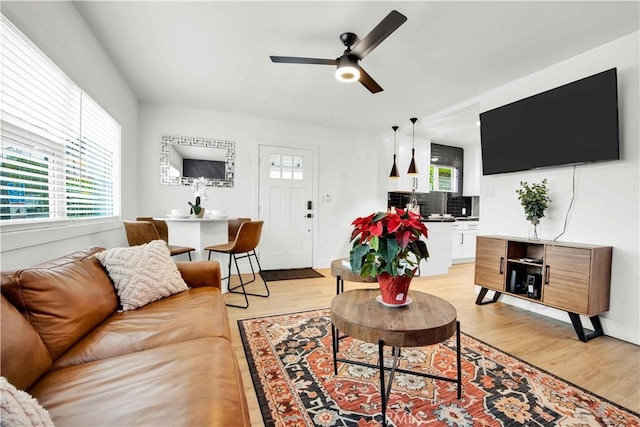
{"type": "Point", "coordinates": [348, 69]}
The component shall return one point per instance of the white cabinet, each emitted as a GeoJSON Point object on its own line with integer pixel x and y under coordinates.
{"type": "Point", "coordinates": [423, 161]}
{"type": "Point", "coordinates": [463, 241]}
{"type": "Point", "coordinates": [472, 171]}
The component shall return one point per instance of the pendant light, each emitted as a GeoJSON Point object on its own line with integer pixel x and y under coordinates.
{"type": "Point", "coordinates": [413, 170]}
{"type": "Point", "coordinates": [394, 169]}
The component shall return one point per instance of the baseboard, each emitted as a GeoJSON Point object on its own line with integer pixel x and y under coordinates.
{"type": "Point", "coordinates": [326, 263]}
{"type": "Point", "coordinates": [611, 327]}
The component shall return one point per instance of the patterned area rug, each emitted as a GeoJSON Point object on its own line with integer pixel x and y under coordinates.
{"type": "Point", "coordinates": [290, 274]}
{"type": "Point", "coordinates": [291, 364]}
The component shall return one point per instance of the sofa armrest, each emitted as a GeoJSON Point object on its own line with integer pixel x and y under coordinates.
{"type": "Point", "coordinates": [200, 273]}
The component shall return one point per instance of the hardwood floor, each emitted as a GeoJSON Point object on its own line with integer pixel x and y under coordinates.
{"type": "Point", "coordinates": [605, 366]}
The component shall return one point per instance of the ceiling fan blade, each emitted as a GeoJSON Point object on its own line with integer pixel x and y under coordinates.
{"type": "Point", "coordinates": [368, 82]}
{"type": "Point", "coordinates": [297, 60]}
{"type": "Point", "coordinates": [387, 26]}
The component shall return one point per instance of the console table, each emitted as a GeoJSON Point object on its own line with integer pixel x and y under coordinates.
{"type": "Point", "coordinates": [573, 277]}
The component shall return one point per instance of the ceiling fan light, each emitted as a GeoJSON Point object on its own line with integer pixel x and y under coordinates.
{"type": "Point", "coordinates": [348, 70]}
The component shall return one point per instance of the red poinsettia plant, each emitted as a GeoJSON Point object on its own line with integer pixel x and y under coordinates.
{"type": "Point", "coordinates": [388, 242]}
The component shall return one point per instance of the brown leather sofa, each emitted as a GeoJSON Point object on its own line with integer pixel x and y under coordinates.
{"type": "Point", "coordinates": [170, 362]}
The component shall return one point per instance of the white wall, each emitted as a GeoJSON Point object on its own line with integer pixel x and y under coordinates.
{"type": "Point", "coordinates": [61, 33]}
{"type": "Point", "coordinates": [347, 170]}
{"type": "Point", "coordinates": [606, 208]}
{"type": "Point", "coordinates": [353, 167]}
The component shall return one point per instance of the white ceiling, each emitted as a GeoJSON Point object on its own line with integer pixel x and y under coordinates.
{"type": "Point", "coordinates": [215, 55]}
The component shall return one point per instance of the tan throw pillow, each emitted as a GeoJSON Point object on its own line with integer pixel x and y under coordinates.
{"type": "Point", "coordinates": [142, 274]}
{"type": "Point", "coordinates": [20, 409]}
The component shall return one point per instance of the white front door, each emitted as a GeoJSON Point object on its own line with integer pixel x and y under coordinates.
{"type": "Point", "coordinates": [286, 207]}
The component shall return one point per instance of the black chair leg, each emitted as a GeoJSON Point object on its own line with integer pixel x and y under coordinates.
{"type": "Point", "coordinates": [253, 273]}
{"type": "Point", "coordinates": [259, 273]}
{"type": "Point", "coordinates": [241, 285]}
{"type": "Point", "coordinates": [248, 255]}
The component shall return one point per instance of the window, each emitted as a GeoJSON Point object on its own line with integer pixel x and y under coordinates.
{"type": "Point", "coordinates": [282, 166]}
{"type": "Point", "coordinates": [443, 178]}
{"type": "Point", "coordinates": [60, 155]}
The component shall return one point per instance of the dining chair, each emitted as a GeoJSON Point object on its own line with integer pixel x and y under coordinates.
{"type": "Point", "coordinates": [141, 233]}
{"type": "Point", "coordinates": [243, 246]}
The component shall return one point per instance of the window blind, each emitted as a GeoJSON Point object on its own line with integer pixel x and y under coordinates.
{"type": "Point", "coordinates": [60, 149]}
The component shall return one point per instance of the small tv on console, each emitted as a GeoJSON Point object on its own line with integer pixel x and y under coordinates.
{"type": "Point", "coordinates": [571, 124]}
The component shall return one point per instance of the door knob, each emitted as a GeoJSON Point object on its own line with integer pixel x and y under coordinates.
{"type": "Point", "coordinates": [309, 215]}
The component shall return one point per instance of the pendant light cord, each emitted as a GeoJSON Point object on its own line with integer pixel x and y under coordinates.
{"type": "Point", "coordinates": [395, 141]}
{"type": "Point", "coordinates": [413, 134]}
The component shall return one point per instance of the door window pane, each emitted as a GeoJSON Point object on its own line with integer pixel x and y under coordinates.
{"type": "Point", "coordinates": [297, 168]}
{"type": "Point", "coordinates": [274, 166]}
{"type": "Point", "coordinates": [287, 167]}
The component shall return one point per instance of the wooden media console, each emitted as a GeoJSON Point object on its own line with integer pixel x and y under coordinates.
{"type": "Point", "coordinates": [572, 277]}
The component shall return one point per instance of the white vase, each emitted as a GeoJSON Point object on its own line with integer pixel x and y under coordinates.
{"type": "Point", "coordinates": [200, 215]}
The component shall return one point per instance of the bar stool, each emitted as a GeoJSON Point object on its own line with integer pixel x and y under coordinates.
{"type": "Point", "coordinates": [141, 234]}
{"type": "Point", "coordinates": [234, 226]}
{"type": "Point", "coordinates": [243, 246]}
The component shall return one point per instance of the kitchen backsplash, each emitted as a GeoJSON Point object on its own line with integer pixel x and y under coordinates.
{"type": "Point", "coordinates": [436, 202]}
{"type": "Point", "coordinates": [459, 206]}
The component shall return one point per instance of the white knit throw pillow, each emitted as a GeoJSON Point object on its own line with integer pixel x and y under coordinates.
{"type": "Point", "coordinates": [142, 274]}
{"type": "Point", "coordinates": [20, 409]}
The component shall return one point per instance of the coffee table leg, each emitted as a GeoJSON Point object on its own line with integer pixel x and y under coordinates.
{"type": "Point", "coordinates": [335, 341]}
{"type": "Point", "coordinates": [339, 285]}
{"type": "Point", "coordinates": [385, 389]}
{"type": "Point", "coordinates": [383, 393]}
{"type": "Point", "coordinates": [458, 359]}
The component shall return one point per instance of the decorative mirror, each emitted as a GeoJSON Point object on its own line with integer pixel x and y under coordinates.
{"type": "Point", "coordinates": [183, 159]}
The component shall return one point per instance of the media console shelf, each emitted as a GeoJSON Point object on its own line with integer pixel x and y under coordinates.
{"type": "Point", "coordinates": [573, 277]}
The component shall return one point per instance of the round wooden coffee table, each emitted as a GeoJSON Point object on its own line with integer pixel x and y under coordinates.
{"type": "Point", "coordinates": [426, 320]}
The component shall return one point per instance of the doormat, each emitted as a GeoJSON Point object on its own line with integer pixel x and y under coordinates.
{"type": "Point", "coordinates": [291, 363]}
{"type": "Point", "coordinates": [289, 274]}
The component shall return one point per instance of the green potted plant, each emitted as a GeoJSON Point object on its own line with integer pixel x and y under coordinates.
{"type": "Point", "coordinates": [535, 200]}
{"type": "Point", "coordinates": [199, 187]}
{"type": "Point", "coordinates": [387, 246]}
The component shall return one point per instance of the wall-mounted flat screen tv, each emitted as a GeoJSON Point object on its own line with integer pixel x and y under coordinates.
{"type": "Point", "coordinates": [571, 124]}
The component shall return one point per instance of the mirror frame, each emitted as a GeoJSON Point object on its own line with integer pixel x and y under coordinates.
{"type": "Point", "coordinates": [230, 156]}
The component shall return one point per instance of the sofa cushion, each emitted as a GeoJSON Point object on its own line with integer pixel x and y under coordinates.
{"type": "Point", "coordinates": [63, 299]}
{"type": "Point", "coordinates": [142, 274]}
{"type": "Point", "coordinates": [18, 408]}
{"type": "Point", "coordinates": [24, 356]}
{"type": "Point", "coordinates": [196, 313]}
{"type": "Point", "coordinates": [193, 383]}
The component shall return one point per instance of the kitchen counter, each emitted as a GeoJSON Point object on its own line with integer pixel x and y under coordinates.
{"type": "Point", "coordinates": [451, 241]}
{"type": "Point", "coordinates": [440, 247]}
{"type": "Point", "coordinates": [450, 219]}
